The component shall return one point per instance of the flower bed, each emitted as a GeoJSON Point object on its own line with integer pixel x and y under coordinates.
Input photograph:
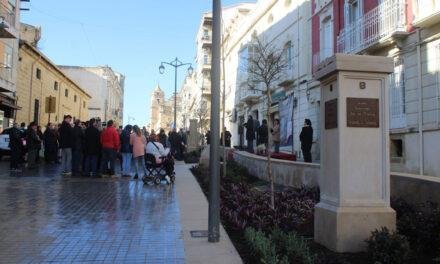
{"type": "Point", "coordinates": [285, 234]}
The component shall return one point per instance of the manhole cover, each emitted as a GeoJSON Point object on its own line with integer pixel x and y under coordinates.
{"type": "Point", "coordinates": [199, 233]}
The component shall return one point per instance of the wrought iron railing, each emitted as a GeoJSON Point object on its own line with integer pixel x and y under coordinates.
{"type": "Point", "coordinates": [384, 20]}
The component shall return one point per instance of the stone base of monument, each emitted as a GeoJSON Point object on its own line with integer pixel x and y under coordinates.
{"type": "Point", "coordinates": [343, 229]}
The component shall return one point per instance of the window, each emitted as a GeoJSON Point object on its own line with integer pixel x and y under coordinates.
{"type": "Point", "coordinates": [206, 59]}
{"type": "Point", "coordinates": [326, 38]}
{"type": "Point", "coordinates": [84, 104]}
{"type": "Point", "coordinates": [8, 61]}
{"type": "Point", "coordinates": [396, 148]}
{"type": "Point", "coordinates": [353, 11]}
{"type": "Point", "coordinates": [38, 74]}
{"type": "Point", "coordinates": [36, 110]}
{"type": "Point", "coordinates": [205, 34]}
{"type": "Point", "coordinates": [397, 95]}
{"type": "Point", "coordinates": [74, 98]}
{"type": "Point", "coordinates": [66, 93]}
{"type": "Point", "coordinates": [55, 86]}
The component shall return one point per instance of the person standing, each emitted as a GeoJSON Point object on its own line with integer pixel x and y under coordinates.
{"type": "Point", "coordinates": [77, 148]}
{"type": "Point", "coordinates": [50, 144]}
{"type": "Point", "coordinates": [126, 151]}
{"type": "Point", "coordinates": [183, 141]}
{"type": "Point", "coordinates": [276, 135]}
{"type": "Point", "coordinates": [208, 137]}
{"type": "Point", "coordinates": [92, 148]}
{"type": "Point", "coordinates": [163, 137]}
{"type": "Point", "coordinates": [66, 143]}
{"type": "Point", "coordinates": [175, 144]}
{"type": "Point", "coordinates": [306, 138]}
{"type": "Point", "coordinates": [40, 136]}
{"type": "Point", "coordinates": [110, 146]}
{"type": "Point", "coordinates": [250, 134]}
{"type": "Point", "coordinates": [138, 141]}
{"type": "Point", "coordinates": [33, 143]}
{"type": "Point", "coordinates": [16, 146]}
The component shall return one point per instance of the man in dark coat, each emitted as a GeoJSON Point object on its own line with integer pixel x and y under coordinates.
{"type": "Point", "coordinates": [250, 134]}
{"type": "Point", "coordinates": [175, 143]}
{"type": "Point", "coordinates": [306, 138]}
{"type": "Point", "coordinates": [50, 144]}
{"type": "Point", "coordinates": [77, 148]}
{"type": "Point", "coordinates": [66, 144]}
{"type": "Point", "coordinates": [33, 144]}
{"type": "Point", "coordinates": [262, 133]}
{"type": "Point", "coordinates": [163, 138]}
{"type": "Point", "coordinates": [92, 148]}
{"type": "Point", "coordinates": [16, 146]}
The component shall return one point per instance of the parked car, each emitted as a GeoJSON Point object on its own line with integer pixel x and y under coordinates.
{"type": "Point", "coordinates": [4, 143]}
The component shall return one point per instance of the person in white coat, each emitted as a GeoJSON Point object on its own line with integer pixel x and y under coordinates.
{"type": "Point", "coordinates": [156, 148]}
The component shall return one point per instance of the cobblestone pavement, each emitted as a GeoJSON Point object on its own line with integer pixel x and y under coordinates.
{"type": "Point", "coordinates": [49, 218]}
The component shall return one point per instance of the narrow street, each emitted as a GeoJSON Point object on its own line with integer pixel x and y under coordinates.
{"type": "Point", "coordinates": [48, 218]}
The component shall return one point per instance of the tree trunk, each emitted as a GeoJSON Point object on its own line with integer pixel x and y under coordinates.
{"type": "Point", "coordinates": [269, 147]}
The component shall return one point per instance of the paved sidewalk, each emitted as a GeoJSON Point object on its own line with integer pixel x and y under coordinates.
{"type": "Point", "coordinates": [46, 218]}
{"type": "Point", "coordinates": [194, 216]}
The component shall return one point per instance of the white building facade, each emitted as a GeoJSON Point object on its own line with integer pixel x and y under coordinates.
{"type": "Point", "coordinates": [106, 89]}
{"type": "Point", "coordinates": [286, 26]}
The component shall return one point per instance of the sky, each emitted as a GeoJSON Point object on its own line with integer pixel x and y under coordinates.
{"type": "Point", "coordinates": [131, 36]}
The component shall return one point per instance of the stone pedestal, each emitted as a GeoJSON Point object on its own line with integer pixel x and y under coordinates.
{"type": "Point", "coordinates": [193, 137]}
{"type": "Point", "coordinates": [355, 178]}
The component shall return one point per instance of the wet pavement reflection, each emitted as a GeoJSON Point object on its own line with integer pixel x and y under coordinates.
{"type": "Point", "coordinates": [49, 218]}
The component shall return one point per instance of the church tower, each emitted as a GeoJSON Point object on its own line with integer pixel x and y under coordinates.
{"type": "Point", "coordinates": [157, 101]}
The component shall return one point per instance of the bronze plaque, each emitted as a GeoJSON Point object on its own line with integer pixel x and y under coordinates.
{"type": "Point", "coordinates": [362, 112]}
{"type": "Point", "coordinates": [331, 114]}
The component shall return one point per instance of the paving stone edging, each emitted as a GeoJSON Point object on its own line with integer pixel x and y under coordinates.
{"type": "Point", "coordinates": [194, 216]}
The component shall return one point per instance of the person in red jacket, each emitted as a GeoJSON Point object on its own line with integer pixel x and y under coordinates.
{"type": "Point", "coordinates": [110, 147]}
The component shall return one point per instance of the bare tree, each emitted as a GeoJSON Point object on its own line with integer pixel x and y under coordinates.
{"type": "Point", "coordinates": [202, 114]}
{"type": "Point", "coordinates": [266, 67]}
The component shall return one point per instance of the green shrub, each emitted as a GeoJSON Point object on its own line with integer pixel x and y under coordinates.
{"type": "Point", "coordinates": [293, 246]}
{"type": "Point", "coordinates": [262, 247]}
{"type": "Point", "coordinates": [388, 248]}
{"type": "Point", "coordinates": [279, 247]}
{"type": "Point", "coordinates": [420, 224]}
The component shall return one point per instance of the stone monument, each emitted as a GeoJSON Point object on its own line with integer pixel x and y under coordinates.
{"type": "Point", "coordinates": [355, 175]}
{"type": "Point", "coordinates": [193, 136]}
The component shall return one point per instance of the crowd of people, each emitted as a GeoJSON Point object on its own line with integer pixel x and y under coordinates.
{"type": "Point", "coordinates": [255, 131]}
{"type": "Point", "coordinates": [90, 149]}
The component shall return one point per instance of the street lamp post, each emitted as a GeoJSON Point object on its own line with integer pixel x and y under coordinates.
{"type": "Point", "coordinates": [214, 159]}
{"type": "Point", "coordinates": [176, 63]}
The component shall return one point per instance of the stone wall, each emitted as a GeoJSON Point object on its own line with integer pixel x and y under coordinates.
{"type": "Point", "coordinates": [413, 188]}
{"type": "Point", "coordinates": [287, 173]}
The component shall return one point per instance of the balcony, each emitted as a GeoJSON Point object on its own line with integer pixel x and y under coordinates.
{"type": "Point", "coordinates": [286, 78]}
{"type": "Point", "coordinates": [250, 96]}
{"type": "Point", "coordinates": [206, 41]}
{"type": "Point", "coordinates": [380, 25]}
{"type": "Point", "coordinates": [7, 21]}
{"type": "Point", "coordinates": [426, 13]}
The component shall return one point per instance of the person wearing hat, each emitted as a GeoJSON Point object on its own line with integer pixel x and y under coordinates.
{"type": "Point", "coordinates": [66, 142]}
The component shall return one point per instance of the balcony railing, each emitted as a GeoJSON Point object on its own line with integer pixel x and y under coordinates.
{"type": "Point", "coordinates": [381, 22]}
{"type": "Point", "coordinates": [426, 13]}
{"type": "Point", "coordinates": [250, 95]}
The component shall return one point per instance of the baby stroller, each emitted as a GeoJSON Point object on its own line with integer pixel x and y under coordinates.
{"type": "Point", "coordinates": [159, 172]}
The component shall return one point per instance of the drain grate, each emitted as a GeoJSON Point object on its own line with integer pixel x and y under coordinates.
{"type": "Point", "coordinates": [199, 233]}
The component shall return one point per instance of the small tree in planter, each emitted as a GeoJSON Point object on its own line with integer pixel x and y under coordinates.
{"type": "Point", "coordinates": [266, 67]}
